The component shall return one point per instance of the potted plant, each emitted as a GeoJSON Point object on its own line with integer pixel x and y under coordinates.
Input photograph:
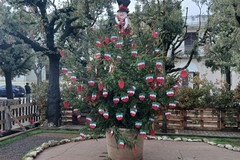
{"type": "Point", "coordinates": [125, 87]}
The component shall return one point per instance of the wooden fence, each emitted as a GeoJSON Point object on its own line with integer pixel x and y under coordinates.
{"type": "Point", "coordinates": [203, 119]}
{"type": "Point", "coordinates": [14, 115]}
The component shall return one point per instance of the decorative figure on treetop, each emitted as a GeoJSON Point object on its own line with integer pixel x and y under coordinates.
{"type": "Point", "coordinates": [121, 18]}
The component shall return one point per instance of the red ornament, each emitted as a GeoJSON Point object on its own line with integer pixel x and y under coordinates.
{"type": "Point", "coordinates": [184, 73]}
{"type": "Point", "coordinates": [121, 144]}
{"type": "Point", "coordinates": [133, 45]}
{"type": "Point", "coordinates": [155, 105]}
{"type": "Point", "coordinates": [133, 112]}
{"type": "Point", "coordinates": [106, 115]}
{"type": "Point", "coordinates": [79, 88]}
{"type": "Point", "coordinates": [89, 68]}
{"type": "Point", "coordinates": [98, 43]}
{"type": "Point", "coordinates": [158, 64]}
{"type": "Point", "coordinates": [100, 87]}
{"type": "Point", "coordinates": [75, 111]}
{"type": "Point", "coordinates": [61, 53]}
{"type": "Point", "coordinates": [105, 93]}
{"type": "Point", "coordinates": [125, 98]}
{"type": "Point", "coordinates": [115, 100]}
{"type": "Point", "coordinates": [134, 53]}
{"type": "Point", "coordinates": [91, 83]}
{"type": "Point", "coordinates": [143, 133]}
{"type": "Point", "coordinates": [73, 78]}
{"type": "Point", "coordinates": [138, 124]}
{"type": "Point", "coordinates": [141, 64]}
{"type": "Point", "coordinates": [153, 95]}
{"type": "Point", "coordinates": [100, 111]}
{"type": "Point", "coordinates": [114, 38]}
{"type": "Point", "coordinates": [142, 97]}
{"type": "Point", "coordinates": [149, 78]}
{"type": "Point", "coordinates": [64, 70]}
{"type": "Point", "coordinates": [82, 135]}
{"type": "Point", "coordinates": [154, 34]}
{"type": "Point", "coordinates": [119, 58]}
{"type": "Point", "coordinates": [93, 125]}
{"type": "Point", "coordinates": [131, 92]}
{"type": "Point", "coordinates": [66, 104]}
{"type": "Point", "coordinates": [88, 119]}
{"type": "Point", "coordinates": [160, 79]}
{"type": "Point", "coordinates": [98, 55]}
{"type": "Point", "coordinates": [119, 116]}
{"type": "Point", "coordinates": [106, 40]}
{"type": "Point", "coordinates": [121, 84]}
{"type": "Point", "coordinates": [107, 56]}
{"type": "Point", "coordinates": [78, 117]}
{"type": "Point", "coordinates": [170, 93]}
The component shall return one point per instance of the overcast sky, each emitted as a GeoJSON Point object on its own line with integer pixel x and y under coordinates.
{"type": "Point", "coordinates": [192, 7]}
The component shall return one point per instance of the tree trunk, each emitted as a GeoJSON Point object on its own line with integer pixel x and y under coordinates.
{"type": "Point", "coordinates": [53, 108]}
{"type": "Point", "coordinates": [8, 82]}
{"type": "Point", "coordinates": [228, 77]}
{"type": "Point", "coordinates": [164, 123]}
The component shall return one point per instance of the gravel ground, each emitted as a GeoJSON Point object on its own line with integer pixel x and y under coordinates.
{"type": "Point", "coordinates": [17, 149]}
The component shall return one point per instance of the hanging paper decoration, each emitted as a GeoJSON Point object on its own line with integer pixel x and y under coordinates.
{"type": "Point", "coordinates": [142, 96]}
{"type": "Point", "coordinates": [119, 116]}
{"type": "Point", "coordinates": [152, 95]}
{"type": "Point", "coordinates": [160, 79]}
{"type": "Point", "coordinates": [143, 133]}
{"type": "Point", "coordinates": [94, 96]}
{"type": "Point", "coordinates": [149, 78]}
{"type": "Point", "coordinates": [133, 45]}
{"type": "Point", "coordinates": [141, 64]}
{"type": "Point", "coordinates": [79, 88]}
{"type": "Point", "coordinates": [138, 124]}
{"type": "Point", "coordinates": [100, 87]}
{"type": "Point", "coordinates": [105, 93]}
{"type": "Point", "coordinates": [114, 38]}
{"type": "Point", "coordinates": [70, 85]}
{"type": "Point", "coordinates": [154, 34]}
{"type": "Point", "coordinates": [106, 115]}
{"type": "Point", "coordinates": [66, 104]}
{"type": "Point", "coordinates": [75, 111]}
{"type": "Point", "coordinates": [100, 110]}
{"type": "Point", "coordinates": [184, 73]}
{"type": "Point", "coordinates": [172, 105]}
{"type": "Point", "coordinates": [98, 43]}
{"type": "Point", "coordinates": [107, 56]}
{"type": "Point", "coordinates": [82, 135]}
{"type": "Point", "coordinates": [159, 64]}
{"type": "Point", "coordinates": [78, 117]}
{"type": "Point", "coordinates": [119, 44]}
{"type": "Point", "coordinates": [98, 55]}
{"type": "Point", "coordinates": [168, 114]}
{"type": "Point", "coordinates": [125, 98]}
{"type": "Point", "coordinates": [130, 92]}
{"type": "Point", "coordinates": [121, 144]}
{"type": "Point", "coordinates": [88, 119]}
{"type": "Point", "coordinates": [155, 105]}
{"type": "Point", "coordinates": [73, 78]}
{"type": "Point", "coordinates": [133, 112]}
{"type": "Point", "coordinates": [106, 40]}
{"type": "Point", "coordinates": [111, 133]}
{"type": "Point", "coordinates": [115, 100]}
{"type": "Point", "coordinates": [170, 93]}
{"type": "Point", "coordinates": [119, 58]}
{"type": "Point", "coordinates": [62, 54]}
{"type": "Point", "coordinates": [157, 50]}
{"type": "Point", "coordinates": [175, 87]}
{"type": "Point", "coordinates": [93, 125]}
{"type": "Point", "coordinates": [121, 84]}
{"type": "Point", "coordinates": [64, 70]}
{"type": "Point", "coordinates": [134, 53]}
{"type": "Point", "coordinates": [91, 83]}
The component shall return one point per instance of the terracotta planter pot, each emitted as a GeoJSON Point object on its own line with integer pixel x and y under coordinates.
{"type": "Point", "coordinates": [116, 153]}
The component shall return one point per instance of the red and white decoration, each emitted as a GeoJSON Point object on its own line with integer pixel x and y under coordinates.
{"type": "Point", "coordinates": [119, 44]}
{"type": "Point", "coordinates": [119, 116]}
{"type": "Point", "coordinates": [133, 112]}
{"type": "Point", "coordinates": [172, 105]}
{"type": "Point", "coordinates": [159, 64]}
{"type": "Point", "coordinates": [134, 53]}
{"type": "Point", "coordinates": [66, 104]}
{"type": "Point", "coordinates": [155, 105]}
{"type": "Point", "coordinates": [168, 114]}
{"type": "Point", "coordinates": [73, 78]}
{"type": "Point", "coordinates": [157, 50]}
{"type": "Point", "coordinates": [105, 93]}
{"type": "Point", "coordinates": [153, 95]}
{"type": "Point", "coordinates": [100, 110]}
{"type": "Point", "coordinates": [64, 70]}
{"type": "Point", "coordinates": [88, 119]}
{"type": "Point", "coordinates": [94, 96]}
{"type": "Point", "coordinates": [82, 135]}
{"type": "Point", "coordinates": [114, 38]}
{"type": "Point", "coordinates": [141, 96]}
{"type": "Point", "coordinates": [93, 125]}
{"type": "Point", "coordinates": [98, 55]}
{"type": "Point", "coordinates": [170, 93]}
{"type": "Point", "coordinates": [160, 79]}
{"type": "Point", "coordinates": [131, 92]}
{"type": "Point", "coordinates": [143, 133]}
{"type": "Point", "coordinates": [91, 83]}
{"type": "Point", "coordinates": [149, 78]}
{"type": "Point", "coordinates": [107, 56]}
{"type": "Point", "coordinates": [106, 115]}
{"type": "Point", "coordinates": [125, 98]}
{"type": "Point", "coordinates": [119, 58]}
{"type": "Point", "coordinates": [138, 124]}
{"type": "Point", "coordinates": [98, 43]}
{"type": "Point", "coordinates": [78, 117]}
{"type": "Point", "coordinates": [75, 111]}
{"type": "Point", "coordinates": [116, 100]}
{"type": "Point", "coordinates": [141, 64]}
{"type": "Point", "coordinates": [121, 144]}
{"type": "Point", "coordinates": [154, 34]}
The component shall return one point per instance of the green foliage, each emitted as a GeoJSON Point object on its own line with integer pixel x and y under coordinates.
{"type": "Point", "coordinates": [207, 94]}
{"type": "Point", "coordinates": [40, 96]}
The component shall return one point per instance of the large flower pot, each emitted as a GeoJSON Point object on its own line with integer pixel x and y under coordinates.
{"type": "Point", "coordinates": [116, 153]}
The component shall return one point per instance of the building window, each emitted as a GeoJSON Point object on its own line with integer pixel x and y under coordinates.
{"type": "Point", "coordinates": [191, 38]}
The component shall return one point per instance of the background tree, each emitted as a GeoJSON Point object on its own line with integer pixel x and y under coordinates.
{"type": "Point", "coordinates": [52, 24]}
{"type": "Point", "coordinates": [15, 56]}
{"type": "Point", "coordinates": [222, 45]}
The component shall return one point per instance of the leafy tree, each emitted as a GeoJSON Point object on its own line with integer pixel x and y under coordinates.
{"type": "Point", "coordinates": [15, 56]}
{"type": "Point", "coordinates": [52, 23]}
{"type": "Point", "coordinates": [223, 37]}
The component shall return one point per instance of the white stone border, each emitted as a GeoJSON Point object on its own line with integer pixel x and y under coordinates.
{"type": "Point", "coordinates": [33, 153]}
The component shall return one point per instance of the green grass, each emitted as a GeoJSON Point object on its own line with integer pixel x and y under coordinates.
{"type": "Point", "coordinates": [38, 131]}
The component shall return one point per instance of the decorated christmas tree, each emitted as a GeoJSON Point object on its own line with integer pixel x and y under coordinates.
{"type": "Point", "coordinates": [125, 84]}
